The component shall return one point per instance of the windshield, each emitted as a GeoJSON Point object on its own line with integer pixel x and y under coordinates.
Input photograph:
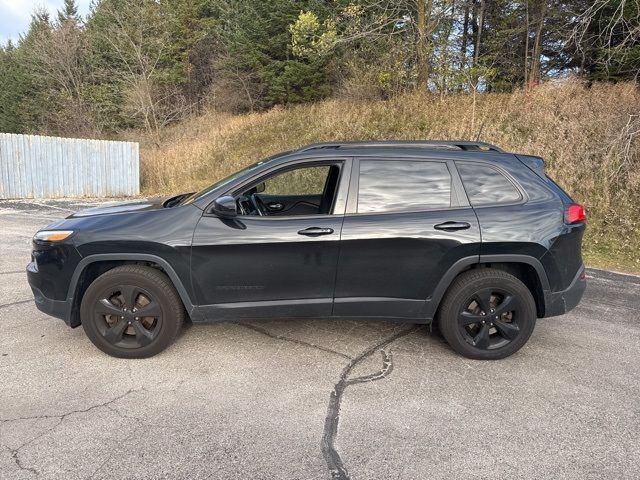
{"type": "Point", "coordinates": [219, 183]}
{"type": "Point", "coordinates": [196, 196]}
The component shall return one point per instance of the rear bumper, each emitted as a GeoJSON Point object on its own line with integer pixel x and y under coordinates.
{"type": "Point", "coordinates": [559, 303]}
{"type": "Point", "coordinates": [55, 308]}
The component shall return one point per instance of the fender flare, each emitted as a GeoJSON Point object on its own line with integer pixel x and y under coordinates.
{"type": "Point", "coordinates": [432, 303]}
{"type": "Point", "coordinates": [144, 257]}
{"type": "Point", "coordinates": [529, 260]}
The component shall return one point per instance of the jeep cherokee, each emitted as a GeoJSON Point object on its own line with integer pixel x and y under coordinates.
{"type": "Point", "coordinates": [464, 234]}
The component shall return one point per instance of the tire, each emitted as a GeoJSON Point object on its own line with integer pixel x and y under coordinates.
{"type": "Point", "coordinates": [113, 312]}
{"type": "Point", "coordinates": [487, 314]}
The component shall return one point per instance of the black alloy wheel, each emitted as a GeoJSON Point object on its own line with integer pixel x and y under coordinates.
{"type": "Point", "coordinates": [132, 311]}
{"type": "Point", "coordinates": [490, 319]}
{"type": "Point", "coordinates": [487, 314]}
{"type": "Point", "coordinates": [128, 316]}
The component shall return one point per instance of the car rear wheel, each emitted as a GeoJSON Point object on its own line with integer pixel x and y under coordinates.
{"type": "Point", "coordinates": [487, 314]}
{"type": "Point", "coordinates": [132, 311]}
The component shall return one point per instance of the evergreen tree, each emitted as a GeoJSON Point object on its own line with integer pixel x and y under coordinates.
{"type": "Point", "coordinates": [12, 90]}
{"type": "Point", "coordinates": [147, 63]}
{"type": "Point", "coordinates": [69, 13]}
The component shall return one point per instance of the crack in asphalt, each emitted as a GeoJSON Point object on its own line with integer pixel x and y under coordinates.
{"type": "Point", "coordinates": [9, 273]}
{"type": "Point", "coordinates": [16, 303]}
{"type": "Point", "coordinates": [15, 452]}
{"type": "Point", "coordinates": [336, 467]}
{"type": "Point", "coordinates": [72, 412]}
{"type": "Point", "coordinates": [293, 340]}
{"type": "Point", "coordinates": [113, 452]}
{"type": "Point", "coordinates": [14, 456]}
{"type": "Point", "coordinates": [95, 472]}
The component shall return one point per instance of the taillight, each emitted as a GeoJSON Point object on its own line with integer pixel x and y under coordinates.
{"type": "Point", "coordinates": [575, 213]}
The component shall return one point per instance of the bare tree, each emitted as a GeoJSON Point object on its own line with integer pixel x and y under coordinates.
{"type": "Point", "coordinates": [140, 45]}
{"type": "Point", "coordinates": [613, 28]}
{"type": "Point", "coordinates": [424, 29]}
{"type": "Point", "coordinates": [56, 57]}
{"type": "Point", "coordinates": [235, 89]}
{"type": "Point", "coordinates": [373, 20]}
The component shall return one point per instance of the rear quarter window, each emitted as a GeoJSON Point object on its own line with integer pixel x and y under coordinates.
{"type": "Point", "coordinates": [403, 186]}
{"type": "Point", "coordinates": [486, 185]}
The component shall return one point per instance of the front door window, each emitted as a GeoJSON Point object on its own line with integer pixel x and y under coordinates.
{"type": "Point", "coordinates": [305, 190]}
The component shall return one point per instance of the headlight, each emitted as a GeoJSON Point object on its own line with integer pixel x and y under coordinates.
{"type": "Point", "coordinates": [52, 235]}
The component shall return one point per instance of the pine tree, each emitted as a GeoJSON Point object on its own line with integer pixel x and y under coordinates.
{"type": "Point", "coordinates": [12, 89]}
{"type": "Point", "coordinates": [69, 13]}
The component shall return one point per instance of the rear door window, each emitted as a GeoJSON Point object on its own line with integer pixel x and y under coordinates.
{"type": "Point", "coordinates": [403, 186]}
{"type": "Point", "coordinates": [485, 185]}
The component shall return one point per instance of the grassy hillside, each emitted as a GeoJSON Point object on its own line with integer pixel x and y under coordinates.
{"type": "Point", "coordinates": [590, 138]}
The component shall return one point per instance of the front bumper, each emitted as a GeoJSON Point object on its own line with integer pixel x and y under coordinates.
{"type": "Point", "coordinates": [559, 303]}
{"type": "Point", "coordinates": [55, 308]}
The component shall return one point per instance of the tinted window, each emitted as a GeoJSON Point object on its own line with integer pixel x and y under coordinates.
{"type": "Point", "coordinates": [486, 185]}
{"type": "Point", "coordinates": [301, 181]}
{"type": "Point", "coordinates": [403, 185]}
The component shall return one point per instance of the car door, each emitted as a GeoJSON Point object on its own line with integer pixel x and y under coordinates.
{"type": "Point", "coordinates": [408, 221]}
{"type": "Point", "coordinates": [273, 265]}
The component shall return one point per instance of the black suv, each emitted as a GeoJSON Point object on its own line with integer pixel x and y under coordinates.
{"type": "Point", "coordinates": [462, 233]}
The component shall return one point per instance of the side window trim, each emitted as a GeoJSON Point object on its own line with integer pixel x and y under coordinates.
{"type": "Point", "coordinates": [354, 184]}
{"type": "Point", "coordinates": [457, 186]}
{"type": "Point", "coordinates": [458, 195]}
{"type": "Point", "coordinates": [342, 192]}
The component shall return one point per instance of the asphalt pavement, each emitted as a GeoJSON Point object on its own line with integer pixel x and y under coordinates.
{"type": "Point", "coordinates": [300, 399]}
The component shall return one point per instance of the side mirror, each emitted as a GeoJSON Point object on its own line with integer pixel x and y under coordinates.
{"type": "Point", "coordinates": [225, 206]}
{"type": "Point", "coordinates": [260, 187]}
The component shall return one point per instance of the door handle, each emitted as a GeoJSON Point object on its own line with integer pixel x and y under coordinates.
{"type": "Point", "coordinates": [275, 206]}
{"type": "Point", "coordinates": [315, 231]}
{"type": "Point", "coordinates": [452, 226]}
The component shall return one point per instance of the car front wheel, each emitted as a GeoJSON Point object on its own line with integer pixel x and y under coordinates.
{"type": "Point", "coordinates": [131, 311]}
{"type": "Point", "coordinates": [487, 314]}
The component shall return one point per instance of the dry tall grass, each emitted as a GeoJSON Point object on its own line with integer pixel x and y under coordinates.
{"type": "Point", "coordinates": [590, 138]}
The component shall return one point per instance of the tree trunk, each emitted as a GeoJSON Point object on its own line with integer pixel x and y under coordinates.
{"type": "Point", "coordinates": [478, 39]}
{"type": "Point", "coordinates": [423, 63]}
{"type": "Point", "coordinates": [425, 26]}
{"type": "Point", "coordinates": [526, 46]}
{"type": "Point", "coordinates": [465, 33]}
{"type": "Point", "coordinates": [534, 74]}
{"type": "Point", "coordinates": [444, 58]}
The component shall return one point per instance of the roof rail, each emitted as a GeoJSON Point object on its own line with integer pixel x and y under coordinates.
{"type": "Point", "coordinates": [466, 146]}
